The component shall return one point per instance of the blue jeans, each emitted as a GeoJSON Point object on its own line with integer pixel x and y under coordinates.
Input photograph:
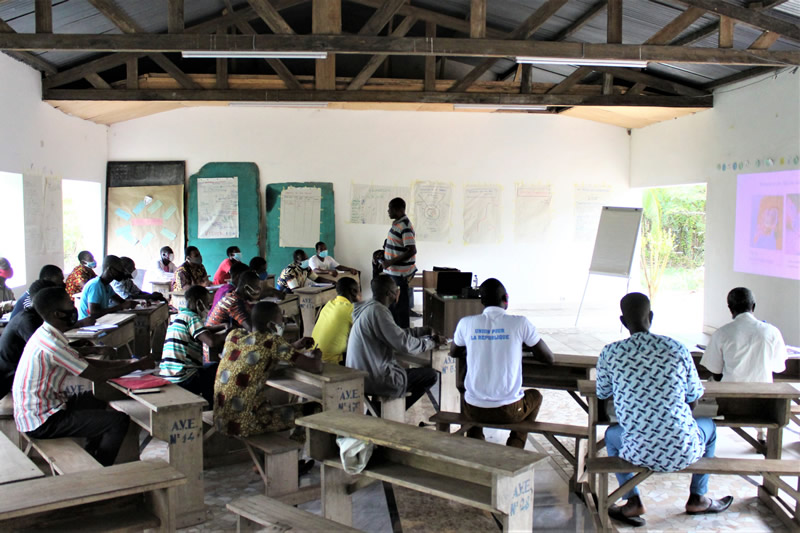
{"type": "Point", "coordinates": [699, 484]}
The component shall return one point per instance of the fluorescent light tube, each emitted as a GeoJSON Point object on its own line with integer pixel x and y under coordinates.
{"type": "Point", "coordinates": [278, 104]}
{"type": "Point", "coordinates": [502, 107]}
{"type": "Point", "coordinates": [213, 54]}
{"type": "Point", "coordinates": [584, 62]}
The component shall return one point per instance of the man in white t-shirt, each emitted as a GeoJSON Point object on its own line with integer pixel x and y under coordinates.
{"type": "Point", "coordinates": [747, 349]}
{"type": "Point", "coordinates": [493, 344]}
{"type": "Point", "coordinates": [324, 265]}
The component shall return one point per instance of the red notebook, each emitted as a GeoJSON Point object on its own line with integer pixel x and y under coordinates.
{"type": "Point", "coordinates": [143, 382]}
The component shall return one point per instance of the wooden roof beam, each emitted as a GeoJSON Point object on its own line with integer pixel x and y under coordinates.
{"type": "Point", "coordinates": [584, 19]}
{"type": "Point", "coordinates": [32, 60]}
{"type": "Point", "coordinates": [270, 15]}
{"type": "Point", "coordinates": [655, 82]}
{"type": "Point", "coordinates": [377, 60]}
{"type": "Point", "coordinates": [175, 16]}
{"type": "Point", "coordinates": [326, 19]}
{"type": "Point", "coordinates": [381, 17]}
{"type": "Point", "coordinates": [43, 10]}
{"type": "Point", "coordinates": [751, 17]}
{"type": "Point", "coordinates": [477, 19]}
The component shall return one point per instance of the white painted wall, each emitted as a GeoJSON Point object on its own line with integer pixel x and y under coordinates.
{"type": "Point", "coordinates": [400, 147]}
{"type": "Point", "coordinates": [37, 140]}
{"type": "Point", "coordinates": [750, 122]}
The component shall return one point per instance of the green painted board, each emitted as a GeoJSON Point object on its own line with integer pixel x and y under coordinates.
{"type": "Point", "coordinates": [279, 257]}
{"type": "Point", "coordinates": [213, 250]}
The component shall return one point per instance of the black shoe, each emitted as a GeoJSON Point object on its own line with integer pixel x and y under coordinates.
{"type": "Point", "coordinates": [414, 314]}
{"type": "Point", "coordinates": [304, 467]}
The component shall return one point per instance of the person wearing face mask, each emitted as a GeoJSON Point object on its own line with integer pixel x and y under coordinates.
{"type": "Point", "coordinates": [324, 265]}
{"type": "Point", "coordinates": [41, 409]}
{"type": "Point", "coordinates": [375, 339]}
{"type": "Point", "coordinates": [81, 273]}
{"type": "Point", "coordinates": [127, 289]}
{"type": "Point", "coordinates": [98, 297]}
{"type": "Point", "coordinates": [234, 309]}
{"type": "Point", "coordinates": [335, 320]}
{"type": "Point", "coordinates": [243, 406]}
{"type": "Point", "coordinates": [7, 298]}
{"type": "Point", "coordinates": [298, 274]}
{"type": "Point", "coordinates": [191, 272]}
{"type": "Point", "coordinates": [234, 256]}
{"type": "Point", "coordinates": [50, 273]}
{"type": "Point", "coordinates": [182, 358]}
{"type": "Point", "coordinates": [259, 265]}
{"type": "Point", "coordinates": [492, 343]}
{"type": "Point", "coordinates": [165, 263]}
{"type": "Point", "coordinates": [236, 272]}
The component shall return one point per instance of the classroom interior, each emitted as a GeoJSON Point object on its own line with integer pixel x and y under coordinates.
{"type": "Point", "coordinates": [753, 124]}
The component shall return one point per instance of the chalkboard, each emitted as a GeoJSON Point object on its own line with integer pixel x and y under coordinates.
{"type": "Point", "coordinates": [213, 250]}
{"type": "Point", "coordinates": [279, 257]}
{"type": "Point", "coordinates": [616, 241]}
{"type": "Point", "coordinates": [145, 173]}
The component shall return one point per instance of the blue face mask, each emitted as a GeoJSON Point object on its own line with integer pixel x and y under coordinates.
{"type": "Point", "coordinates": [323, 254]}
{"type": "Point", "coordinates": [304, 264]}
{"type": "Point", "coordinates": [91, 264]}
{"type": "Point", "coordinates": [263, 276]}
{"type": "Point", "coordinates": [237, 256]}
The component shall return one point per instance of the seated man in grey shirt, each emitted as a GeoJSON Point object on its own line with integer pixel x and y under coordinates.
{"type": "Point", "coordinates": [375, 339]}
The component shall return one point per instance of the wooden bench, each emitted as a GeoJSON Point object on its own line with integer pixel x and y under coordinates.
{"type": "Point", "coordinates": [64, 455]}
{"type": "Point", "coordinates": [7, 425]}
{"type": "Point", "coordinates": [254, 511]}
{"type": "Point", "coordinates": [551, 432]}
{"type": "Point", "coordinates": [493, 478]}
{"type": "Point", "coordinates": [127, 497]}
{"type": "Point", "coordinates": [15, 465]}
{"type": "Point", "coordinates": [769, 469]}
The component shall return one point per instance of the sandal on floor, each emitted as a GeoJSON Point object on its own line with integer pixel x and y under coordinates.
{"type": "Point", "coordinates": [615, 512]}
{"type": "Point", "coordinates": [717, 506]}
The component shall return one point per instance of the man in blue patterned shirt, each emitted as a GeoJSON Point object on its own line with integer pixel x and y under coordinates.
{"type": "Point", "coordinates": [654, 384]}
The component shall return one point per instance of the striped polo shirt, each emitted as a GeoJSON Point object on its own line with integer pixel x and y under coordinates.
{"type": "Point", "coordinates": [183, 352]}
{"type": "Point", "coordinates": [401, 236]}
{"type": "Point", "coordinates": [45, 363]}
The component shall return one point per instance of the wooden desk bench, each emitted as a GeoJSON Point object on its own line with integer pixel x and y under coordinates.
{"type": "Point", "coordinates": [123, 335]}
{"type": "Point", "coordinates": [7, 425]}
{"type": "Point", "coordinates": [173, 415]}
{"type": "Point", "coordinates": [551, 432]}
{"type": "Point", "coordinates": [443, 314]}
{"type": "Point", "coordinates": [127, 497]}
{"type": "Point", "coordinates": [64, 455]}
{"type": "Point", "coordinates": [311, 299]}
{"type": "Point", "coordinates": [494, 478]}
{"type": "Point", "coordinates": [769, 469]}
{"type": "Point", "coordinates": [15, 465]}
{"type": "Point", "coordinates": [336, 388]}
{"type": "Point", "coordinates": [150, 327]}
{"type": "Point", "coordinates": [254, 511]}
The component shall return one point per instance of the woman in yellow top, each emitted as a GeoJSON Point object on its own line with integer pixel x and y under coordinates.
{"type": "Point", "coordinates": [335, 320]}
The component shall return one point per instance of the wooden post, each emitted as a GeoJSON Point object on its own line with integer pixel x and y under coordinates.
{"type": "Point", "coordinates": [326, 19]}
{"type": "Point", "coordinates": [281, 470]}
{"type": "Point", "coordinates": [527, 73]}
{"type": "Point", "coordinates": [132, 73]}
{"type": "Point", "coordinates": [726, 32]}
{"type": "Point", "coordinates": [393, 409]}
{"type": "Point", "coordinates": [613, 36]}
{"type": "Point", "coordinates": [44, 16]}
{"type": "Point", "coordinates": [430, 61]}
{"type": "Point", "coordinates": [337, 504]}
{"type": "Point", "coordinates": [477, 19]}
{"type": "Point", "coordinates": [175, 19]}
{"type": "Point", "coordinates": [347, 396]}
{"type": "Point", "coordinates": [449, 397]}
{"type": "Point", "coordinates": [513, 496]}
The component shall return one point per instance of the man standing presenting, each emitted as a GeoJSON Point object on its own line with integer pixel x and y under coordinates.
{"type": "Point", "coordinates": [493, 344]}
{"type": "Point", "coordinates": [654, 384]}
{"type": "Point", "coordinates": [399, 258]}
{"type": "Point", "coordinates": [745, 350]}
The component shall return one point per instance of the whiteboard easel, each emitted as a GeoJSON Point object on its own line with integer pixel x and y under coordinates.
{"type": "Point", "coordinates": [614, 245]}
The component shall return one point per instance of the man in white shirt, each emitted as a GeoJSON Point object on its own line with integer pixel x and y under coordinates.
{"type": "Point", "coordinates": [493, 344]}
{"type": "Point", "coordinates": [747, 349]}
{"type": "Point", "coordinates": [324, 265]}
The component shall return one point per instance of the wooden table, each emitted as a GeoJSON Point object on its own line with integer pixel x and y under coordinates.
{"type": "Point", "coordinates": [151, 328]}
{"type": "Point", "coordinates": [123, 335]}
{"type": "Point", "coordinates": [15, 465]}
{"type": "Point", "coordinates": [336, 388]}
{"type": "Point", "coordinates": [311, 299]}
{"type": "Point", "coordinates": [768, 406]}
{"type": "Point", "coordinates": [490, 477]}
{"type": "Point", "coordinates": [164, 287]}
{"type": "Point", "coordinates": [173, 415]}
{"type": "Point", "coordinates": [443, 314]}
{"type": "Point", "coordinates": [325, 278]}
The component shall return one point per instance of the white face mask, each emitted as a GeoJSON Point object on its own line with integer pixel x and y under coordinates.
{"type": "Point", "coordinates": [201, 310]}
{"type": "Point", "coordinates": [278, 329]}
{"type": "Point", "coordinates": [237, 256]}
{"type": "Point", "coordinates": [134, 273]}
{"type": "Point", "coordinates": [171, 257]}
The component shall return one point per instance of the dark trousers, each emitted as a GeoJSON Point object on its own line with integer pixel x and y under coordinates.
{"type": "Point", "coordinates": [418, 382]}
{"type": "Point", "coordinates": [524, 409]}
{"type": "Point", "coordinates": [86, 416]}
{"type": "Point", "coordinates": [399, 309]}
{"type": "Point", "coordinates": [202, 383]}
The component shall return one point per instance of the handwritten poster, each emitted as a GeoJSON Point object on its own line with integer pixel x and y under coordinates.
{"type": "Point", "coordinates": [482, 214]}
{"type": "Point", "coordinates": [432, 204]}
{"type": "Point", "coordinates": [589, 202]}
{"type": "Point", "coordinates": [531, 211]}
{"type": "Point", "coordinates": [218, 208]}
{"type": "Point", "coordinates": [368, 203]}
{"type": "Point", "coordinates": [300, 213]}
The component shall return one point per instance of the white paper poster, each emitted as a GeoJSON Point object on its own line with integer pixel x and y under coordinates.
{"type": "Point", "coordinates": [218, 208]}
{"type": "Point", "coordinates": [43, 214]}
{"type": "Point", "coordinates": [432, 204]}
{"type": "Point", "coordinates": [589, 202]}
{"type": "Point", "coordinates": [531, 211]}
{"type": "Point", "coordinates": [300, 212]}
{"type": "Point", "coordinates": [368, 203]}
{"type": "Point", "coordinates": [482, 223]}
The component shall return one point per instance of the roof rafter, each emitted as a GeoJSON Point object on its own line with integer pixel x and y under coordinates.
{"type": "Point", "coordinates": [751, 17]}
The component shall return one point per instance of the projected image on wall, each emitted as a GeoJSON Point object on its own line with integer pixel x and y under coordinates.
{"type": "Point", "coordinates": [767, 240]}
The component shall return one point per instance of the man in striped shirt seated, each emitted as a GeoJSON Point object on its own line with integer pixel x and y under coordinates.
{"type": "Point", "coordinates": [399, 258]}
{"type": "Point", "coordinates": [42, 410]}
{"type": "Point", "coordinates": [182, 359]}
